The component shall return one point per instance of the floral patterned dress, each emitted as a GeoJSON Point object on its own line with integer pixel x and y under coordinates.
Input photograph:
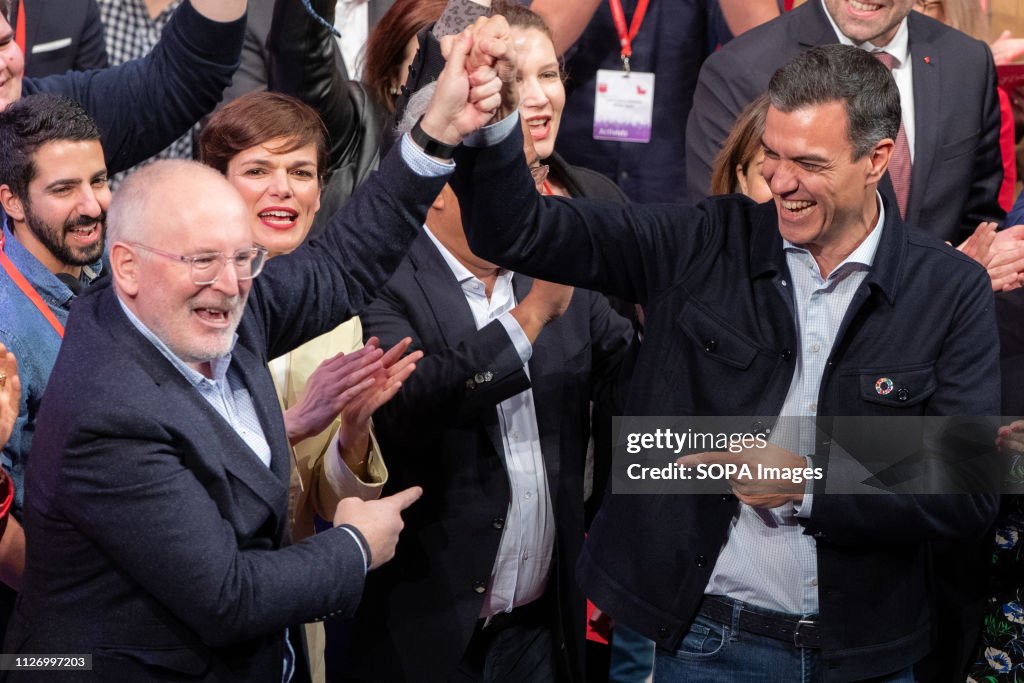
{"type": "Point", "coordinates": [1001, 654]}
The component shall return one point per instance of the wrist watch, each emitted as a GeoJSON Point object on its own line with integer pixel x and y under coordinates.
{"type": "Point", "coordinates": [431, 145]}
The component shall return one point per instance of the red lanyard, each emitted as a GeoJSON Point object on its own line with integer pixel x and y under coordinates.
{"type": "Point", "coordinates": [626, 38]}
{"type": "Point", "coordinates": [19, 29]}
{"type": "Point", "coordinates": [28, 290]}
{"type": "Point", "coordinates": [546, 189]}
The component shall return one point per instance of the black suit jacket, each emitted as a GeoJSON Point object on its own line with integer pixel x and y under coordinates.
{"type": "Point", "coordinates": [717, 272]}
{"type": "Point", "coordinates": [62, 36]}
{"type": "Point", "coordinates": [957, 167]}
{"type": "Point", "coordinates": [441, 432]}
{"type": "Point", "coordinates": [156, 538]}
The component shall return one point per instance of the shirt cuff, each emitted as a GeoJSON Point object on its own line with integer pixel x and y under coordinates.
{"type": "Point", "coordinates": [421, 163]}
{"type": "Point", "coordinates": [345, 483]}
{"type": "Point", "coordinates": [519, 339]}
{"type": "Point", "coordinates": [360, 540]}
{"type": "Point", "coordinates": [493, 133]}
{"type": "Point", "coordinates": [803, 508]}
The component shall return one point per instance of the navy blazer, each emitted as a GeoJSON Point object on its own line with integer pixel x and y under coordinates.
{"type": "Point", "coordinates": [441, 432]}
{"type": "Point", "coordinates": [923, 316]}
{"type": "Point", "coordinates": [957, 163]}
{"type": "Point", "coordinates": [62, 36]}
{"type": "Point", "coordinates": [156, 538]}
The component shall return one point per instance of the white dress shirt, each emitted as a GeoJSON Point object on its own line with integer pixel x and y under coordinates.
{"type": "Point", "coordinates": [523, 561]}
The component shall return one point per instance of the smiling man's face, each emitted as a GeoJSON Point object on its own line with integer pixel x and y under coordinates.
{"type": "Point", "coordinates": [873, 21]}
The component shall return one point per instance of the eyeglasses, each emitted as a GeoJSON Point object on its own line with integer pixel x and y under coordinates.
{"type": "Point", "coordinates": [206, 268]}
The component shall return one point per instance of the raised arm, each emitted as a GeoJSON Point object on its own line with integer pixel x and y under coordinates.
{"type": "Point", "coordinates": [145, 104]}
{"type": "Point", "coordinates": [304, 62]}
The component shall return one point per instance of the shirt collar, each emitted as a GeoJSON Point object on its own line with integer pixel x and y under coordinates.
{"type": "Point", "coordinates": [898, 47]}
{"type": "Point", "coordinates": [46, 283]}
{"type": "Point", "coordinates": [865, 252]}
{"type": "Point", "coordinates": [219, 366]}
{"type": "Point", "coordinates": [462, 274]}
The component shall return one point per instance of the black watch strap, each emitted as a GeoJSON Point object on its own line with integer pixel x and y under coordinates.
{"type": "Point", "coordinates": [432, 146]}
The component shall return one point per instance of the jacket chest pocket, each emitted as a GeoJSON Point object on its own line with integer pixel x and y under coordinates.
{"type": "Point", "coordinates": [896, 388]}
{"type": "Point", "coordinates": [719, 341]}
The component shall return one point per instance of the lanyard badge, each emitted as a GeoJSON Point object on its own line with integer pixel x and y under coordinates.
{"type": "Point", "coordinates": [624, 100]}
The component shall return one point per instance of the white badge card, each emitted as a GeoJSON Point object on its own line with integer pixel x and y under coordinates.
{"type": "Point", "coordinates": [623, 105]}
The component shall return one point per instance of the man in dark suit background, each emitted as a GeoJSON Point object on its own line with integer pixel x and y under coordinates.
{"type": "Point", "coordinates": [60, 36]}
{"type": "Point", "coordinates": [494, 426]}
{"type": "Point", "coordinates": [947, 85]}
{"type": "Point", "coordinates": [158, 495]}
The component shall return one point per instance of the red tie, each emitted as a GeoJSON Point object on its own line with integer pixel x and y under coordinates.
{"type": "Point", "coordinates": [899, 163]}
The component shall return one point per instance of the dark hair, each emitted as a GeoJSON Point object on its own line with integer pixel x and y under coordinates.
{"type": "Point", "coordinates": [385, 48]}
{"type": "Point", "coordinates": [31, 122]}
{"type": "Point", "coordinates": [256, 118]}
{"type": "Point", "coordinates": [5, 10]}
{"type": "Point", "coordinates": [831, 73]}
{"type": "Point", "coordinates": [740, 148]}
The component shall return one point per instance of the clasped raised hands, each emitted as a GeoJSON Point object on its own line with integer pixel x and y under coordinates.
{"type": "Point", "coordinates": [477, 83]}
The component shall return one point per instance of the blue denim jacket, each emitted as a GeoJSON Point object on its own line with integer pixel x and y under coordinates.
{"type": "Point", "coordinates": [34, 342]}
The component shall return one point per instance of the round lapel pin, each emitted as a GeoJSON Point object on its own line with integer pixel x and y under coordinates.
{"type": "Point", "coordinates": [883, 386]}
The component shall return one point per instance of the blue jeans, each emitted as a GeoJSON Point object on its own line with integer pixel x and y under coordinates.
{"type": "Point", "coordinates": [631, 659]}
{"type": "Point", "coordinates": [719, 653]}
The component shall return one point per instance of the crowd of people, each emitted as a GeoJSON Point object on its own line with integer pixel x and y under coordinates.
{"type": "Point", "coordinates": [331, 382]}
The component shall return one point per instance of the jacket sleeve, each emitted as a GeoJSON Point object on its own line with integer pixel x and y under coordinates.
{"type": "Point", "coordinates": [717, 99]}
{"type": "Point", "coordinates": [92, 47]}
{"type": "Point", "coordinates": [229, 594]}
{"type": "Point", "coordinates": [630, 251]}
{"type": "Point", "coordinates": [144, 105]}
{"type": "Point", "coordinates": [449, 385]}
{"type": "Point", "coordinates": [983, 198]}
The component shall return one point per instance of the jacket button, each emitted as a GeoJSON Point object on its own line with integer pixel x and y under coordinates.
{"type": "Point", "coordinates": [727, 496]}
{"type": "Point", "coordinates": [818, 534]}
{"type": "Point", "coordinates": [498, 523]}
{"type": "Point", "coordinates": [903, 394]}
{"type": "Point", "coordinates": [701, 561]}
{"type": "Point", "coordinates": [787, 354]}
{"type": "Point", "coordinates": [662, 632]}
{"type": "Point", "coordinates": [710, 345]}
{"type": "Point", "coordinates": [479, 587]}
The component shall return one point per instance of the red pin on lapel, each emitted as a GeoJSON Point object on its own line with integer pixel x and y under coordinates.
{"type": "Point", "coordinates": [927, 60]}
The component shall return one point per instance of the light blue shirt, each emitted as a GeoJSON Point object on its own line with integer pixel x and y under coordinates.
{"type": "Point", "coordinates": [34, 342]}
{"type": "Point", "coordinates": [767, 560]}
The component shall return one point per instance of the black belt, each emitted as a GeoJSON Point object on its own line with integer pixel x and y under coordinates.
{"type": "Point", "coordinates": [530, 614]}
{"type": "Point", "coordinates": [799, 631]}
